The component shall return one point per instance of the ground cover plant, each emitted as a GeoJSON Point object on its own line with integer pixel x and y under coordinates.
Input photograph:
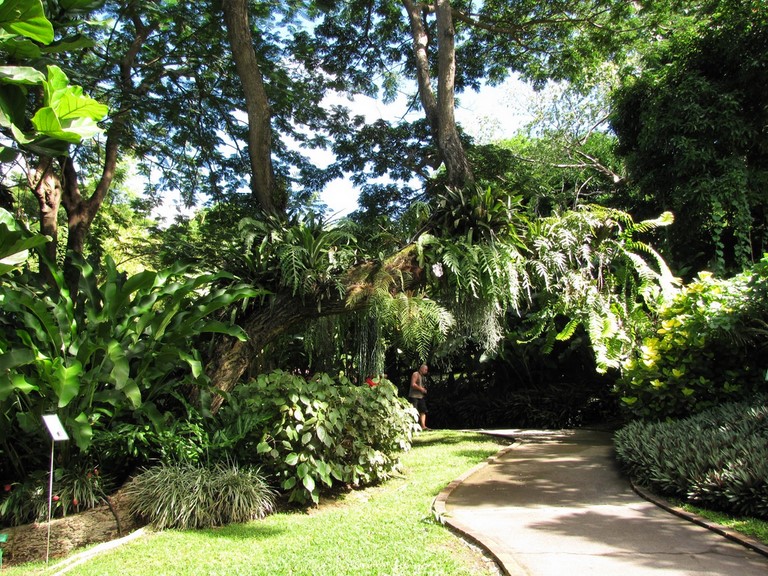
{"type": "Point", "coordinates": [717, 458]}
{"type": "Point", "coordinates": [384, 529]}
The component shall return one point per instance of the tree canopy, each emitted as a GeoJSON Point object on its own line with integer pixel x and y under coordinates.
{"type": "Point", "coordinates": [224, 102]}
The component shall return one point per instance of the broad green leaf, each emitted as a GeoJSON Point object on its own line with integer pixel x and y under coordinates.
{"type": "Point", "coordinates": [194, 363]}
{"type": "Point", "coordinates": [71, 43]}
{"type": "Point", "coordinates": [19, 49]}
{"type": "Point", "coordinates": [309, 483]}
{"type": "Point", "coordinates": [218, 327]}
{"type": "Point", "coordinates": [15, 382]}
{"type": "Point", "coordinates": [292, 459]}
{"type": "Point", "coordinates": [323, 436]}
{"type": "Point", "coordinates": [289, 483]}
{"type": "Point", "coordinates": [26, 18]}
{"type": "Point", "coordinates": [21, 75]}
{"type": "Point", "coordinates": [263, 447]}
{"type": "Point", "coordinates": [82, 431]}
{"type": "Point", "coordinates": [66, 383]}
{"type": "Point", "coordinates": [8, 154]}
{"type": "Point", "coordinates": [73, 108]}
{"type": "Point", "coordinates": [131, 391]}
{"type": "Point", "coordinates": [120, 369]}
{"type": "Point", "coordinates": [149, 409]}
{"type": "Point", "coordinates": [47, 146]}
{"type": "Point", "coordinates": [81, 5]}
{"type": "Point", "coordinates": [16, 357]}
{"type": "Point", "coordinates": [47, 123]}
{"type": "Point", "coordinates": [16, 254]}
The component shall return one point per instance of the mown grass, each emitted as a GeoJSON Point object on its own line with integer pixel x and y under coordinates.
{"type": "Point", "coordinates": [386, 529]}
{"type": "Point", "coordinates": [752, 527]}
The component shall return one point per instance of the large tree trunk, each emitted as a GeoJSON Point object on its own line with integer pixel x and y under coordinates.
{"type": "Point", "coordinates": [456, 163]}
{"type": "Point", "coordinates": [439, 110]}
{"type": "Point", "coordinates": [46, 186]}
{"type": "Point", "coordinates": [421, 54]}
{"type": "Point", "coordinates": [256, 103]}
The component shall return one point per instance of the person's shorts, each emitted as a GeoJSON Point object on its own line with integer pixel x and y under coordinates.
{"type": "Point", "coordinates": [420, 404]}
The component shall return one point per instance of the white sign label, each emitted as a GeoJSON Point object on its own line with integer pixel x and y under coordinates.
{"type": "Point", "coordinates": [55, 427]}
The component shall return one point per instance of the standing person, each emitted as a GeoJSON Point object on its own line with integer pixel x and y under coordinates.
{"type": "Point", "coordinates": [417, 392]}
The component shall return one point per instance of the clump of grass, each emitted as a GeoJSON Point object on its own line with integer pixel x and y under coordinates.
{"type": "Point", "coordinates": [185, 495]}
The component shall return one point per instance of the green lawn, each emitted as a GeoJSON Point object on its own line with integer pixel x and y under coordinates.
{"type": "Point", "coordinates": [386, 529]}
{"type": "Point", "coordinates": [752, 527]}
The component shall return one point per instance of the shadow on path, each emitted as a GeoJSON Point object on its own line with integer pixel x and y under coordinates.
{"type": "Point", "coordinates": [556, 504]}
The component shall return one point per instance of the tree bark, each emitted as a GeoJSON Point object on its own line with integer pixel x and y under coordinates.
{"type": "Point", "coordinates": [46, 187]}
{"type": "Point", "coordinates": [448, 141]}
{"type": "Point", "coordinates": [256, 103]}
{"type": "Point", "coordinates": [439, 109]}
{"type": "Point", "coordinates": [421, 55]}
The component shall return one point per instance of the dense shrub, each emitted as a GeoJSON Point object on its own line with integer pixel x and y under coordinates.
{"type": "Point", "coordinates": [185, 495]}
{"type": "Point", "coordinates": [308, 433]}
{"type": "Point", "coordinates": [709, 348]}
{"type": "Point", "coordinates": [717, 458]}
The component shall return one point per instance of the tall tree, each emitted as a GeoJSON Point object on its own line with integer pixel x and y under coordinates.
{"type": "Point", "coordinates": [178, 76]}
{"type": "Point", "coordinates": [691, 124]}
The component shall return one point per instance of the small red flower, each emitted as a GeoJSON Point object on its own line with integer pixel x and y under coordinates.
{"type": "Point", "coordinates": [75, 502]}
{"type": "Point", "coordinates": [370, 382]}
{"type": "Point", "coordinates": [55, 498]}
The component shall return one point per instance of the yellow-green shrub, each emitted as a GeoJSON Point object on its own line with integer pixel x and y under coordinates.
{"type": "Point", "coordinates": [709, 348]}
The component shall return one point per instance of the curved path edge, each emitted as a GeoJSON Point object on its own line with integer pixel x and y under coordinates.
{"type": "Point", "coordinates": [506, 562]}
{"type": "Point", "coordinates": [724, 531]}
{"type": "Point", "coordinates": [503, 559]}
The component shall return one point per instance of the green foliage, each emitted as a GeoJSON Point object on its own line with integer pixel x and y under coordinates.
{"type": "Point", "coordinates": [585, 265]}
{"type": "Point", "coordinates": [484, 212]}
{"type": "Point", "coordinates": [77, 487]}
{"type": "Point", "coordinates": [124, 445]}
{"type": "Point", "coordinates": [307, 257]}
{"type": "Point", "coordinates": [717, 458]}
{"type": "Point", "coordinates": [590, 268]}
{"type": "Point", "coordinates": [312, 433]}
{"type": "Point", "coordinates": [64, 115]}
{"type": "Point", "coordinates": [708, 347]}
{"type": "Point", "coordinates": [123, 347]}
{"type": "Point", "coordinates": [691, 127]}
{"type": "Point", "coordinates": [189, 496]}
{"type": "Point", "coordinates": [15, 242]}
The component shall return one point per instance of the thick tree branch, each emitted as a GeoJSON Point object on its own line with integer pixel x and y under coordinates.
{"type": "Point", "coordinates": [256, 103]}
{"type": "Point", "coordinates": [231, 359]}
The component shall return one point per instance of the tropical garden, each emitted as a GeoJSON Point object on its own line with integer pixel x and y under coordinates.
{"type": "Point", "coordinates": [603, 265]}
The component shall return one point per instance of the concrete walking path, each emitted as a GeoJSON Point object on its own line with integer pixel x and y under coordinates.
{"type": "Point", "coordinates": [555, 504]}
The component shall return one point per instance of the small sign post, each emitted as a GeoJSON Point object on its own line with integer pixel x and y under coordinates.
{"type": "Point", "coordinates": [58, 434]}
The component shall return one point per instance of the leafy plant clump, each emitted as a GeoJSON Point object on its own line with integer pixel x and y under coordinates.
{"type": "Point", "coordinates": [77, 487]}
{"type": "Point", "coordinates": [709, 348]}
{"type": "Point", "coordinates": [185, 495]}
{"type": "Point", "coordinates": [717, 458]}
{"type": "Point", "coordinates": [318, 432]}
